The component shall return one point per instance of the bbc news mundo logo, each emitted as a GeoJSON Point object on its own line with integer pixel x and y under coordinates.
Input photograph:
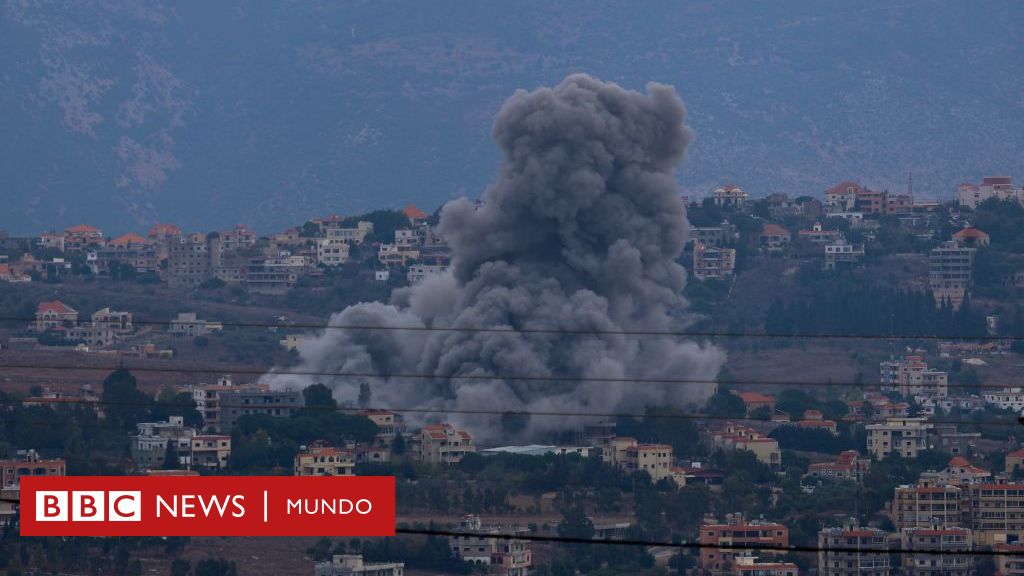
{"type": "Point", "coordinates": [357, 506]}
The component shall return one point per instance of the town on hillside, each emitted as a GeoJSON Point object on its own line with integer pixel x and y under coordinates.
{"type": "Point", "coordinates": [907, 440]}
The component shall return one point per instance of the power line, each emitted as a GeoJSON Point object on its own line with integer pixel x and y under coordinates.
{"type": "Point", "coordinates": [571, 331]}
{"type": "Point", "coordinates": [484, 412]}
{"type": "Point", "coordinates": [703, 546]}
{"type": "Point", "coordinates": [485, 377]}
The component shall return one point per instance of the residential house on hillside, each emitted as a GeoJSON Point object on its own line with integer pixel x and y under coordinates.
{"type": "Point", "coordinates": [481, 545]}
{"type": "Point", "coordinates": [735, 533]}
{"type": "Point", "coordinates": [129, 250]}
{"type": "Point", "coordinates": [189, 324]}
{"type": "Point", "coordinates": [850, 465]}
{"type": "Point", "coordinates": [971, 237]}
{"type": "Point", "coordinates": [998, 187]}
{"type": "Point", "coordinates": [82, 236]}
{"type": "Point", "coordinates": [444, 444]}
{"type": "Point", "coordinates": [839, 553]}
{"type": "Point", "coordinates": [773, 238]}
{"type": "Point", "coordinates": [29, 463]}
{"type": "Point", "coordinates": [730, 196]}
{"type": "Point", "coordinates": [321, 459]}
{"type": "Point", "coordinates": [353, 565]}
{"type": "Point", "coordinates": [713, 263]}
{"type": "Point", "coordinates": [55, 315]}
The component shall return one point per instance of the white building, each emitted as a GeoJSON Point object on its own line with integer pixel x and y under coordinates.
{"type": "Point", "coordinates": [1000, 187]}
{"type": "Point", "coordinates": [189, 324]}
{"type": "Point", "coordinates": [904, 436]}
{"type": "Point", "coordinates": [332, 252]}
{"type": "Point", "coordinates": [351, 235]}
{"type": "Point", "coordinates": [1006, 399]}
{"type": "Point", "coordinates": [353, 565]}
{"type": "Point", "coordinates": [909, 376]}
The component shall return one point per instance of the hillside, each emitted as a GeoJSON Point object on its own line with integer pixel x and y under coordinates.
{"type": "Point", "coordinates": [122, 113]}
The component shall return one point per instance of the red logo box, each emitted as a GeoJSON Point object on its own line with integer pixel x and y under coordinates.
{"type": "Point", "coordinates": [208, 506]}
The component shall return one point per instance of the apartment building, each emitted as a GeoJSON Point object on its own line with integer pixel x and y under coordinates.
{"type": "Point", "coordinates": [999, 187]}
{"type": "Point", "coordinates": [958, 472]}
{"type": "Point", "coordinates": [994, 511]}
{"type": "Point", "coordinates": [711, 262]}
{"type": "Point", "coordinates": [944, 556]}
{"type": "Point", "coordinates": [818, 235]}
{"type": "Point", "coordinates": [29, 463]}
{"type": "Point", "coordinates": [444, 444]}
{"type": "Point", "coordinates": [354, 236]}
{"type": "Point", "coordinates": [910, 376]}
{"type": "Point", "coordinates": [419, 272]}
{"type": "Point", "coordinates": [332, 252]}
{"type": "Point", "coordinates": [155, 441]}
{"type": "Point", "coordinates": [904, 436]}
{"type": "Point", "coordinates": [927, 506]}
{"type": "Point", "coordinates": [256, 400]}
{"type": "Point", "coordinates": [739, 437]}
{"type": "Point", "coordinates": [119, 322]}
{"type": "Point", "coordinates": [353, 565]}
{"type": "Point", "coordinates": [1012, 562]}
{"type": "Point", "coordinates": [840, 252]}
{"type": "Point", "coordinates": [736, 531]}
{"type": "Point", "coordinates": [655, 459]}
{"type": "Point", "coordinates": [507, 557]}
{"type": "Point", "coordinates": [130, 250]}
{"type": "Point", "coordinates": [319, 459]}
{"type": "Point", "coordinates": [208, 451]}
{"type": "Point", "coordinates": [188, 261]}
{"type": "Point", "coordinates": [949, 272]}
{"type": "Point", "coordinates": [852, 550]}
{"type": "Point", "coordinates": [1005, 399]}
{"type": "Point", "coordinates": [850, 465]}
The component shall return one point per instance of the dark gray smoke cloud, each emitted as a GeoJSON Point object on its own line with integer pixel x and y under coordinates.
{"type": "Point", "coordinates": [581, 231]}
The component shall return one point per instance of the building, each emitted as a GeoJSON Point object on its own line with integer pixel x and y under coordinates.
{"type": "Point", "coordinates": [419, 272]}
{"type": "Point", "coordinates": [332, 252]}
{"type": "Point", "coordinates": [478, 544]}
{"type": "Point", "coordinates": [256, 400]}
{"type": "Point", "coordinates": [773, 238]}
{"type": "Point", "coordinates": [971, 237]}
{"type": "Point", "coordinates": [945, 546]}
{"type": "Point", "coordinates": [910, 377]}
{"type": "Point", "coordinates": [208, 451]}
{"type": "Point", "coordinates": [319, 459]}
{"type": "Point", "coordinates": [730, 196]}
{"type": "Point", "coordinates": [444, 444]}
{"type": "Point", "coordinates": [51, 240]}
{"type": "Point", "coordinates": [710, 262]}
{"type": "Point", "coordinates": [903, 436]}
{"type": "Point", "coordinates": [750, 566]}
{"type": "Point", "coordinates": [353, 565]}
{"type": "Point", "coordinates": [843, 196]}
{"type": "Point", "coordinates": [998, 187]}
{"type": "Point", "coordinates": [852, 550]}
{"type": "Point", "coordinates": [1005, 399]}
{"type": "Point", "coordinates": [736, 532]}
{"type": "Point", "coordinates": [389, 424]}
{"type": "Point", "coordinates": [1012, 562]}
{"type": "Point", "coordinates": [188, 324]}
{"type": "Point", "coordinates": [840, 253]}
{"type": "Point", "coordinates": [927, 506]}
{"type": "Point", "coordinates": [815, 420]}
{"type": "Point", "coordinates": [29, 463]}
{"type": "Point", "coordinates": [850, 465]}
{"type": "Point", "coordinates": [818, 236]}
{"type": "Point", "coordinates": [1015, 463]}
{"type": "Point", "coordinates": [7, 274]}
{"type": "Point", "coordinates": [655, 459]}
{"type": "Point", "coordinates": [55, 315]}
{"type": "Point", "coordinates": [156, 442]}
{"type": "Point", "coordinates": [354, 236]}
{"type": "Point", "coordinates": [754, 401]}
{"type": "Point", "coordinates": [82, 236]}
{"type": "Point", "coordinates": [119, 322]}
{"type": "Point", "coordinates": [738, 437]}
{"type": "Point", "coordinates": [994, 511]}
{"type": "Point", "coordinates": [958, 472]}
{"type": "Point", "coordinates": [129, 250]}
{"type": "Point", "coordinates": [949, 272]}
{"type": "Point", "coordinates": [188, 261]}
{"type": "Point", "coordinates": [415, 215]}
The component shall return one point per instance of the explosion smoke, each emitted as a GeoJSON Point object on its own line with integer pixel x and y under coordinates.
{"type": "Point", "coordinates": [580, 232]}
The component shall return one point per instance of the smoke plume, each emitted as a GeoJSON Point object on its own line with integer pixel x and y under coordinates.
{"type": "Point", "coordinates": [581, 233]}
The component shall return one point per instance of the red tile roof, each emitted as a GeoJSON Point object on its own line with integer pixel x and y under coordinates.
{"type": "Point", "coordinates": [414, 213]}
{"type": "Point", "coordinates": [80, 228]}
{"type": "Point", "coordinates": [774, 230]}
{"type": "Point", "coordinates": [973, 233]}
{"type": "Point", "coordinates": [164, 230]}
{"type": "Point", "coordinates": [127, 239]}
{"type": "Point", "coordinates": [842, 186]}
{"type": "Point", "coordinates": [56, 307]}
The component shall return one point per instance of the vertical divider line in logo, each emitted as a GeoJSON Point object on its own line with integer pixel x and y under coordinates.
{"type": "Point", "coordinates": [264, 506]}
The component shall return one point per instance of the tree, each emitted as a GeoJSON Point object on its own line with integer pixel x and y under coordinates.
{"type": "Point", "coordinates": [124, 404]}
{"type": "Point", "coordinates": [319, 396]}
{"type": "Point", "coordinates": [725, 403]}
{"type": "Point", "coordinates": [216, 567]}
{"type": "Point", "coordinates": [181, 567]}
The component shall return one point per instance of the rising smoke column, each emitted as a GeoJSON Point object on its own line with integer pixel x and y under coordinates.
{"type": "Point", "coordinates": [581, 231]}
